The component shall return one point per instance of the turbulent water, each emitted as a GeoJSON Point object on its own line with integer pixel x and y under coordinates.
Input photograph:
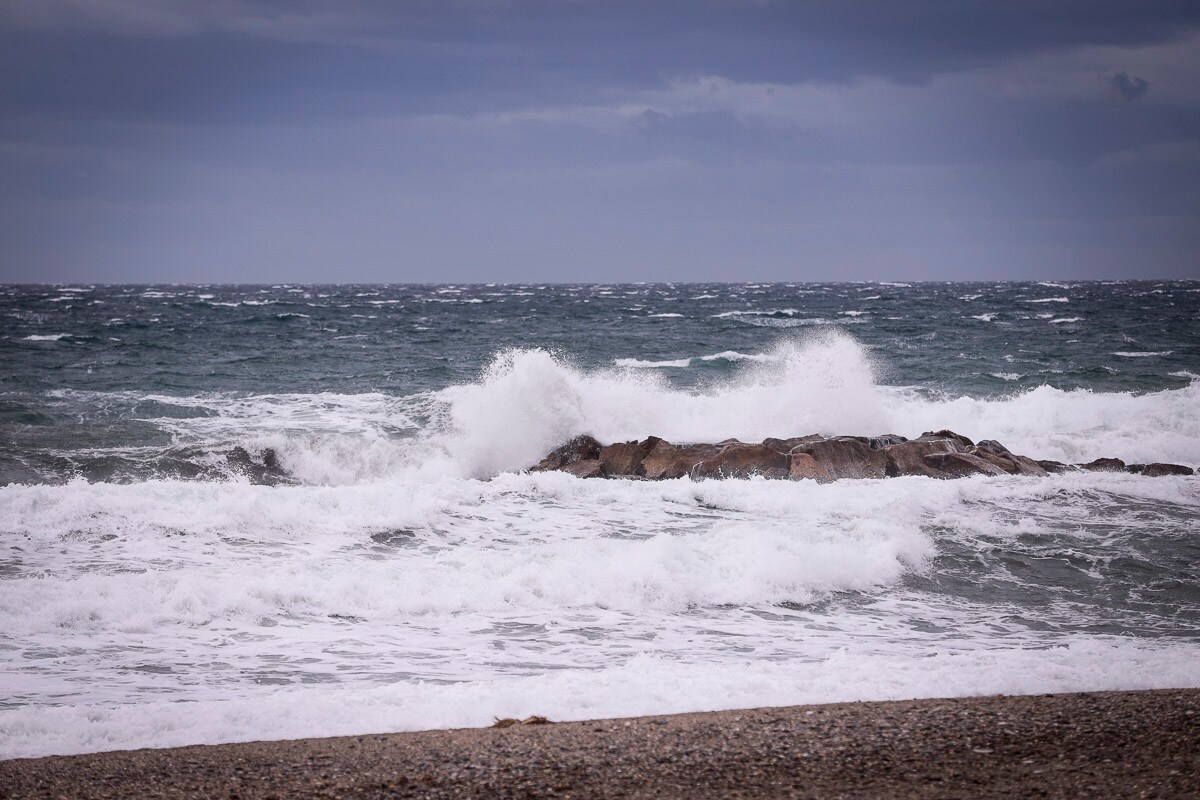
{"type": "Point", "coordinates": [234, 513]}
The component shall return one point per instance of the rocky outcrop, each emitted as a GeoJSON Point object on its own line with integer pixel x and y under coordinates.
{"type": "Point", "coordinates": [625, 458]}
{"type": "Point", "coordinates": [1158, 470]}
{"type": "Point", "coordinates": [961, 465]}
{"type": "Point", "coordinates": [1104, 465]}
{"type": "Point", "coordinates": [581, 448]}
{"type": "Point", "coordinates": [666, 460]}
{"type": "Point", "coordinates": [995, 453]}
{"type": "Point", "coordinates": [845, 457]}
{"type": "Point", "coordinates": [737, 460]}
{"type": "Point", "coordinates": [935, 454]}
{"type": "Point", "coordinates": [908, 458]}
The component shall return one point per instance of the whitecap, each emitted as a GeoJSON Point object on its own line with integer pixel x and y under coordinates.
{"type": "Point", "coordinates": [634, 363]}
{"type": "Point", "coordinates": [733, 355]}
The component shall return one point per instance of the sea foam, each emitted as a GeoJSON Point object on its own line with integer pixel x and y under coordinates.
{"type": "Point", "coordinates": [644, 684]}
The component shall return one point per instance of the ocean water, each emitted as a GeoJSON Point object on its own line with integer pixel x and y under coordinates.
{"type": "Point", "coordinates": [235, 513]}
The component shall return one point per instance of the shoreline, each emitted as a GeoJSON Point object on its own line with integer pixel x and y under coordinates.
{"type": "Point", "coordinates": [1101, 744]}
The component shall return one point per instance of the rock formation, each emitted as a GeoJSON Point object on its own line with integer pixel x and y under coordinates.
{"type": "Point", "coordinates": [937, 454]}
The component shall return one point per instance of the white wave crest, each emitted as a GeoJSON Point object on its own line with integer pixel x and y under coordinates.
{"type": "Point", "coordinates": [1072, 426]}
{"type": "Point", "coordinates": [680, 363]}
{"type": "Point", "coordinates": [777, 312]}
{"type": "Point", "coordinates": [733, 355]}
{"type": "Point", "coordinates": [529, 401]}
{"type": "Point", "coordinates": [1147, 354]}
{"type": "Point", "coordinates": [636, 363]}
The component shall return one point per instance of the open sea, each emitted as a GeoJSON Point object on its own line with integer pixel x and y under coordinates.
{"type": "Point", "coordinates": [247, 512]}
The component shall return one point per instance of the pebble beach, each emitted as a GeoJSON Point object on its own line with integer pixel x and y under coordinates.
{"type": "Point", "coordinates": [1104, 745]}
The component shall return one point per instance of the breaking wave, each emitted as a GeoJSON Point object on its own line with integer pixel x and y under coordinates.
{"type": "Point", "coordinates": [527, 401]}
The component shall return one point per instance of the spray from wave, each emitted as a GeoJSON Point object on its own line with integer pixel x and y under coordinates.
{"type": "Point", "coordinates": [529, 401]}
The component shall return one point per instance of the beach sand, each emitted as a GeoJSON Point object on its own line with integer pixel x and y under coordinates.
{"type": "Point", "coordinates": [1103, 745]}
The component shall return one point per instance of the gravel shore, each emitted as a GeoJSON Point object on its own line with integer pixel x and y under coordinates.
{"type": "Point", "coordinates": [1103, 745]}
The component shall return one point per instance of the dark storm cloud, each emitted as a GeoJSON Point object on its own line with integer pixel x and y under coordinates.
{"type": "Point", "coordinates": [1127, 88]}
{"type": "Point", "coordinates": [488, 140]}
{"type": "Point", "coordinates": [172, 60]}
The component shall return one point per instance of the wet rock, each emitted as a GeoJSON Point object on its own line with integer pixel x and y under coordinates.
{"type": "Point", "coordinates": [961, 465]}
{"type": "Point", "coordinates": [802, 466]}
{"type": "Point", "coordinates": [908, 458]}
{"type": "Point", "coordinates": [945, 434]}
{"type": "Point", "coordinates": [886, 440]}
{"type": "Point", "coordinates": [786, 445]}
{"type": "Point", "coordinates": [591, 468]}
{"type": "Point", "coordinates": [992, 451]}
{"type": "Point", "coordinates": [846, 457]}
{"type": "Point", "coordinates": [1056, 467]}
{"type": "Point", "coordinates": [742, 461]}
{"type": "Point", "coordinates": [581, 448]}
{"type": "Point", "coordinates": [624, 459]}
{"type": "Point", "coordinates": [1104, 465]}
{"type": "Point", "coordinates": [666, 461]}
{"type": "Point", "coordinates": [1158, 470]}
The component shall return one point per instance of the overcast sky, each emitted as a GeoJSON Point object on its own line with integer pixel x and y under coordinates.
{"type": "Point", "coordinates": [364, 140]}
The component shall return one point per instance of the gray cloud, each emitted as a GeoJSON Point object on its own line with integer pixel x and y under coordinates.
{"type": "Point", "coordinates": [743, 39]}
{"type": "Point", "coordinates": [494, 140]}
{"type": "Point", "coordinates": [1126, 87]}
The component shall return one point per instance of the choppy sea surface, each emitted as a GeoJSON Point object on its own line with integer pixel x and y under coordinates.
{"type": "Point", "coordinates": [234, 513]}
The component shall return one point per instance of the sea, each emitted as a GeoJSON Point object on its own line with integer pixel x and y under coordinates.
{"type": "Point", "coordinates": [235, 513]}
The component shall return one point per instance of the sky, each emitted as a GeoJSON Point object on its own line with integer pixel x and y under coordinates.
{"type": "Point", "coordinates": [710, 140]}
